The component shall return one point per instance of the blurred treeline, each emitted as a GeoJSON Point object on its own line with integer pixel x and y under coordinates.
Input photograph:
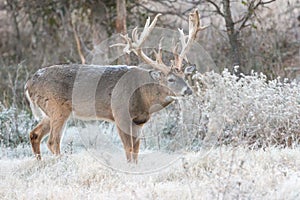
{"type": "Point", "coordinates": [260, 35]}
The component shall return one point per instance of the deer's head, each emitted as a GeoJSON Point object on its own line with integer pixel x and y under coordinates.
{"type": "Point", "coordinates": [173, 80]}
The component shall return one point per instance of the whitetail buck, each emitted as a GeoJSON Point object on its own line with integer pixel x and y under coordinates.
{"type": "Point", "coordinates": [51, 92]}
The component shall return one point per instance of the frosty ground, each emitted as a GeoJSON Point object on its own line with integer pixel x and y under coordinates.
{"type": "Point", "coordinates": [218, 173]}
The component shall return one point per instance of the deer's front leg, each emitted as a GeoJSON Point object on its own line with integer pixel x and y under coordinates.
{"type": "Point", "coordinates": [131, 145]}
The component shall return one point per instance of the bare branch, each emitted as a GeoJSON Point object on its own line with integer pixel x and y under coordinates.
{"type": "Point", "coordinates": [218, 10]}
{"type": "Point", "coordinates": [78, 46]}
{"type": "Point", "coordinates": [267, 2]}
{"type": "Point", "coordinates": [172, 10]}
{"type": "Point", "coordinates": [251, 11]}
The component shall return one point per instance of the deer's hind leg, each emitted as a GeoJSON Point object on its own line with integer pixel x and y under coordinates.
{"type": "Point", "coordinates": [37, 134]}
{"type": "Point", "coordinates": [59, 112]}
{"type": "Point", "coordinates": [57, 126]}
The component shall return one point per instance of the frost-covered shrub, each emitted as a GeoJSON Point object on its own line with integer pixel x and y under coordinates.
{"type": "Point", "coordinates": [14, 126]}
{"type": "Point", "coordinates": [251, 110]}
{"type": "Point", "coordinates": [248, 110]}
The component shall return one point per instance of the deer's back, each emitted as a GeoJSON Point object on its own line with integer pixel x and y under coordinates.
{"type": "Point", "coordinates": [85, 89]}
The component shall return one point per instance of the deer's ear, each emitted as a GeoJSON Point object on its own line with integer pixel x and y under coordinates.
{"type": "Point", "coordinates": [189, 69]}
{"type": "Point", "coordinates": [156, 75]}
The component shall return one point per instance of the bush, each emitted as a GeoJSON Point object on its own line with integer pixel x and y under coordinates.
{"type": "Point", "coordinates": [250, 110]}
{"type": "Point", "coordinates": [14, 126]}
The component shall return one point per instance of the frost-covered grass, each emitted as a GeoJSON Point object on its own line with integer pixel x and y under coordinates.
{"type": "Point", "coordinates": [229, 173]}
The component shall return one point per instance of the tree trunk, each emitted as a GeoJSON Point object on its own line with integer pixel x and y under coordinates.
{"type": "Point", "coordinates": [121, 26]}
{"type": "Point", "coordinates": [233, 36]}
{"type": "Point", "coordinates": [121, 17]}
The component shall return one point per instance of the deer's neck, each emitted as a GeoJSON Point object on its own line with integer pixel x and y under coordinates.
{"type": "Point", "coordinates": [156, 97]}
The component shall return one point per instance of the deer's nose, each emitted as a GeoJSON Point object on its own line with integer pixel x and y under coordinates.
{"type": "Point", "coordinates": [188, 91]}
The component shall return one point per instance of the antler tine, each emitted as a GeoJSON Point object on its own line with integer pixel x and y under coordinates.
{"type": "Point", "coordinates": [127, 45]}
{"type": "Point", "coordinates": [176, 56]}
{"type": "Point", "coordinates": [187, 40]}
{"type": "Point", "coordinates": [158, 55]}
{"type": "Point", "coordinates": [134, 34]}
{"type": "Point", "coordinates": [147, 29]}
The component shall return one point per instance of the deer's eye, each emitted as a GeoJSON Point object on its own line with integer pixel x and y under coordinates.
{"type": "Point", "coordinates": [171, 80]}
{"type": "Point", "coordinates": [176, 70]}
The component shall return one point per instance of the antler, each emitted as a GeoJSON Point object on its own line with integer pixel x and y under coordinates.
{"type": "Point", "coordinates": [187, 40]}
{"type": "Point", "coordinates": [135, 43]}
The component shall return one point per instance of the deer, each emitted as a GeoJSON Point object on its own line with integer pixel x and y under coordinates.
{"type": "Point", "coordinates": [127, 102]}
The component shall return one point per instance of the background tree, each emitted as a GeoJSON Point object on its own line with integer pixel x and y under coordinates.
{"type": "Point", "coordinates": [121, 26]}
{"type": "Point", "coordinates": [234, 27]}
